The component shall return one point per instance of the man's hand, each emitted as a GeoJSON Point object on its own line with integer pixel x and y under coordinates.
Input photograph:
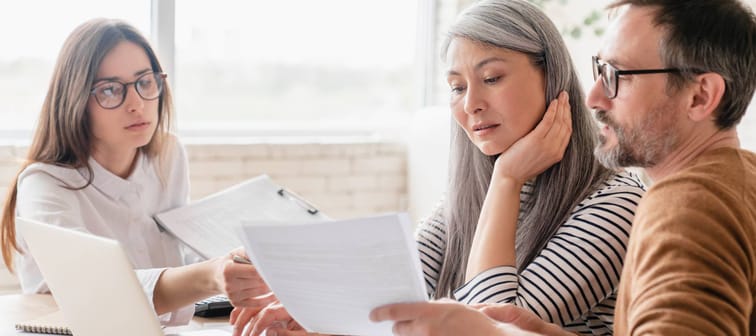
{"type": "Point", "coordinates": [438, 318]}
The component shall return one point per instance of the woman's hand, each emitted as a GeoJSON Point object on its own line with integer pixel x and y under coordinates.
{"type": "Point", "coordinates": [242, 283]}
{"type": "Point", "coordinates": [494, 240]}
{"type": "Point", "coordinates": [272, 316]}
{"type": "Point", "coordinates": [274, 320]}
{"type": "Point", "coordinates": [541, 148]}
{"type": "Point", "coordinates": [184, 285]}
{"type": "Point", "coordinates": [241, 318]}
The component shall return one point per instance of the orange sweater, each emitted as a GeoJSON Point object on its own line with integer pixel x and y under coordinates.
{"type": "Point", "coordinates": [690, 267]}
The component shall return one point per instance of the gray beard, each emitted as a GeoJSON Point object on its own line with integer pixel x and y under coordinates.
{"type": "Point", "coordinates": [642, 146]}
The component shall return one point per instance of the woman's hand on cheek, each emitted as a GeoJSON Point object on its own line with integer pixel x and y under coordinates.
{"type": "Point", "coordinates": [542, 147]}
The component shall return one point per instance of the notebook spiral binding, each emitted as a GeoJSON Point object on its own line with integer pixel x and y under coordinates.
{"type": "Point", "coordinates": [44, 329]}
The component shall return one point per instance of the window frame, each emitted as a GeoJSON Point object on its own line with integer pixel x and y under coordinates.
{"type": "Point", "coordinates": [162, 32]}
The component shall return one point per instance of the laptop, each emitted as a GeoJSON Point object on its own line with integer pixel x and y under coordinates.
{"type": "Point", "coordinates": [93, 282]}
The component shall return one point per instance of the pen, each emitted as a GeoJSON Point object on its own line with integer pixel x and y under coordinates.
{"type": "Point", "coordinates": [241, 260]}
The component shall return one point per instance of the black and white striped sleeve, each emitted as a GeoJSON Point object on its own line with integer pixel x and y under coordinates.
{"type": "Point", "coordinates": [431, 243]}
{"type": "Point", "coordinates": [579, 267]}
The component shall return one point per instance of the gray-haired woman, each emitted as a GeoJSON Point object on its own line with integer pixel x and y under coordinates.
{"type": "Point", "coordinates": [531, 218]}
{"type": "Point", "coordinates": [547, 233]}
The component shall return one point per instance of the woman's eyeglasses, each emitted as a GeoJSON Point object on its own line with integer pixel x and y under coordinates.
{"type": "Point", "coordinates": [111, 94]}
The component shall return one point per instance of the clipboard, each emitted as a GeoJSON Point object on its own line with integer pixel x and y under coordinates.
{"type": "Point", "coordinates": [208, 226]}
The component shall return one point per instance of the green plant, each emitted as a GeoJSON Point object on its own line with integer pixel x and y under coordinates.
{"type": "Point", "coordinates": [591, 22]}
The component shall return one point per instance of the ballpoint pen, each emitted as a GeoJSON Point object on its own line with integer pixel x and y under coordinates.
{"type": "Point", "coordinates": [241, 259]}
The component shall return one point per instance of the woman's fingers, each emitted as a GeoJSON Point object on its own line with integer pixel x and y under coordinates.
{"type": "Point", "coordinates": [242, 319]}
{"type": "Point", "coordinates": [247, 297]}
{"type": "Point", "coordinates": [547, 122]}
{"type": "Point", "coordinates": [561, 131]}
{"type": "Point", "coordinates": [243, 284]}
{"type": "Point", "coordinates": [542, 147]}
{"type": "Point", "coordinates": [567, 122]}
{"type": "Point", "coordinates": [274, 315]}
{"type": "Point", "coordinates": [287, 332]}
{"type": "Point", "coordinates": [233, 271]}
{"type": "Point", "coordinates": [234, 314]}
{"type": "Point", "coordinates": [259, 302]}
{"type": "Point", "coordinates": [562, 114]}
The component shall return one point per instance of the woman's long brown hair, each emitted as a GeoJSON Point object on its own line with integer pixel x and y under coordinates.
{"type": "Point", "coordinates": [63, 135]}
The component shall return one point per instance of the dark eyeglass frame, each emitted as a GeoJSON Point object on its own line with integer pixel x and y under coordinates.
{"type": "Point", "coordinates": [160, 81]}
{"type": "Point", "coordinates": [610, 90]}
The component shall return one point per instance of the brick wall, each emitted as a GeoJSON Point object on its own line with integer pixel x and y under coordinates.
{"type": "Point", "coordinates": [344, 180]}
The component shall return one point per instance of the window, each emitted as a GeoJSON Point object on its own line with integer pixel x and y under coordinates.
{"type": "Point", "coordinates": [239, 63]}
{"type": "Point", "coordinates": [582, 23]}
{"type": "Point", "coordinates": [34, 32]}
{"type": "Point", "coordinates": [298, 63]}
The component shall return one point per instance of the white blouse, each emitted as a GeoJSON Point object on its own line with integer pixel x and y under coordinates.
{"type": "Point", "coordinates": [110, 207]}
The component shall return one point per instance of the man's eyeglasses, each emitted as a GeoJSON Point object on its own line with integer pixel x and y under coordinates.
{"type": "Point", "coordinates": [610, 75]}
{"type": "Point", "coordinates": [111, 94]}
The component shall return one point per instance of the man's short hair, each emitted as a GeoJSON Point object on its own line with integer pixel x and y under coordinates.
{"type": "Point", "coordinates": [709, 36]}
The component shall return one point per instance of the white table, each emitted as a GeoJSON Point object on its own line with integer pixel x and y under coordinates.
{"type": "Point", "coordinates": [17, 308]}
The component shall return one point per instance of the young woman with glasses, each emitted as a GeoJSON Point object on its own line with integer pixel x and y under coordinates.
{"type": "Point", "coordinates": [103, 161]}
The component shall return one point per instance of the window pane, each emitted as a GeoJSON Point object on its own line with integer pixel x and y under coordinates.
{"type": "Point", "coordinates": [34, 34]}
{"type": "Point", "coordinates": [582, 23]}
{"type": "Point", "coordinates": [294, 62]}
{"type": "Point", "coordinates": [747, 127]}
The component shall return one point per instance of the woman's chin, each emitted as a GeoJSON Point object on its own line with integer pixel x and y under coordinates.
{"type": "Point", "coordinates": [490, 151]}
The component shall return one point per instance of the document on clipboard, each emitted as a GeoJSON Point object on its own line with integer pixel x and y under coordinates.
{"type": "Point", "coordinates": [208, 226]}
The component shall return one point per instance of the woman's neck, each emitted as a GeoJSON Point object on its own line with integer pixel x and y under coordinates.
{"type": "Point", "coordinates": [120, 163]}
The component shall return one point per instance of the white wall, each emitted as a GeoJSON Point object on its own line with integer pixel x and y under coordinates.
{"type": "Point", "coordinates": [427, 158]}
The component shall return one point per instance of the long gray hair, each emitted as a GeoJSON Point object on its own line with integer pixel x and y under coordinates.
{"type": "Point", "coordinates": [517, 25]}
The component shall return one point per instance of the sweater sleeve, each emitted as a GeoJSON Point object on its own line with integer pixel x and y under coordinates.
{"type": "Point", "coordinates": [579, 267]}
{"type": "Point", "coordinates": [688, 264]}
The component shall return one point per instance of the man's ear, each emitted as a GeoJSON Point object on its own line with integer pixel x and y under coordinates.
{"type": "Point", "coordinates": [708, 90]}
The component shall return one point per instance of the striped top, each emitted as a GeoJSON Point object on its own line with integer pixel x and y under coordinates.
{"type": "Point", "coordinates": [573, 281]}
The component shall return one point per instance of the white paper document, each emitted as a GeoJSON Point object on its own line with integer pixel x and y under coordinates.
{"type": "Point", "coordinates": [330, 274]}
{"type": "Point", "coordinates": [208, 225]}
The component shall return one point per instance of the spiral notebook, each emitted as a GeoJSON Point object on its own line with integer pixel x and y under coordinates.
{"type": "Point", "coordinates": [53, 323]}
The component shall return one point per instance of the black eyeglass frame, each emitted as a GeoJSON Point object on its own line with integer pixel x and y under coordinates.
{"type": "Point", "coordinates": [158, 75]}
{"type": "Point", "coordinates": [611, 93]}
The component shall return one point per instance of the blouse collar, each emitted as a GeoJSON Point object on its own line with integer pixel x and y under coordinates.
{"type": "Point", "coordinates": [115, 186]}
